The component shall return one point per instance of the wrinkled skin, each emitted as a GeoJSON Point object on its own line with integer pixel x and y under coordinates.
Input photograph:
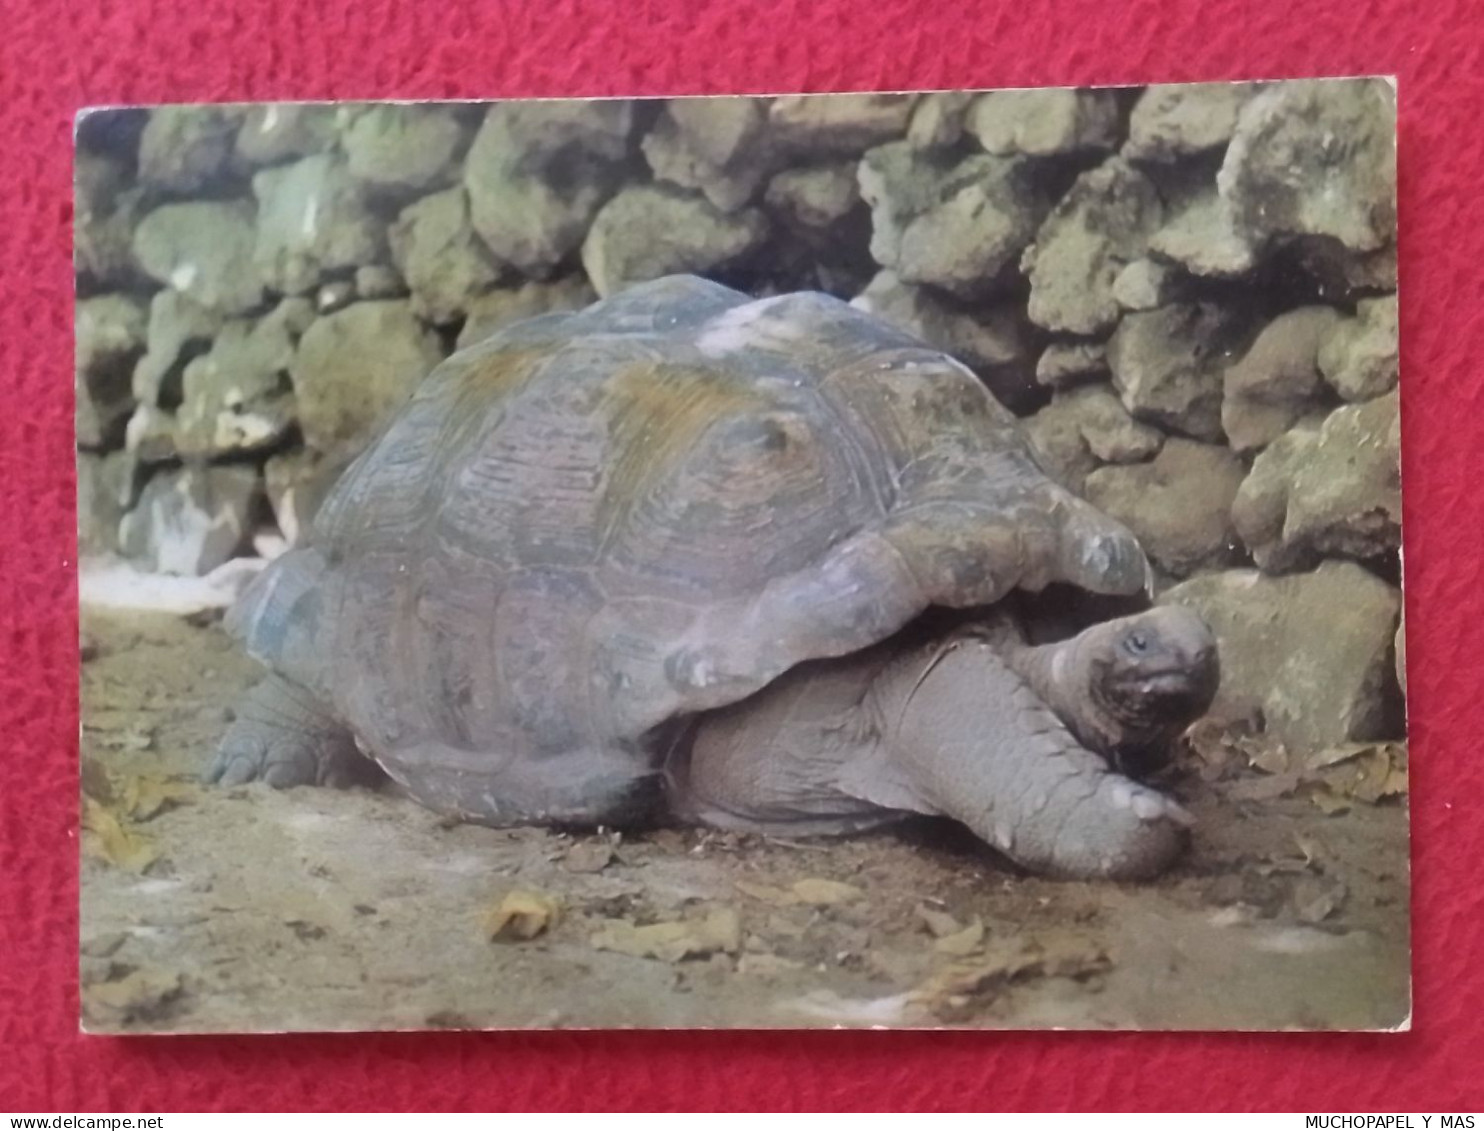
{"type": "Point", "coordinates": [1126, 688]}
{"type": "Point", "coordinates": [1021, 744]}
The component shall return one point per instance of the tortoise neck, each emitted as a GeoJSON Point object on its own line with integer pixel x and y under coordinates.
{"type": "Point", "coordinates": [1060, 675]}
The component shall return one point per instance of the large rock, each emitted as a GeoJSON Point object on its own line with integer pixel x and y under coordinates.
{"type": "Point", "coordinates": [1173, 121]}
{"type": "Point", "coordinates": [712, 145]}
{"type": "Point", "coordinates": [1102, 224]}
{"type": "Point", "coordinates": [647, 231]}
{"type": "Point", "coordinates": [107, 486]}
{"type": "Point", "coordinates": [1316, 158]}
{"type": "Point", "coordinates": [938, 119]}
{"type": "Point", "coordinates": [313, 217]}
{"type": "Point", "coordinates": [283, 131]}
{"type": "Point", "coordinates": [439, 255]}
{"type": "Point", "coordinates": [719, 130]}
{"type": "Point", "coordinates": [538, 172]}
{"type": "Point", "coordinates": [237, 398]}
{"type": "Point", "coordinates": [818, 124]}
{"type": "Point", "coordinates": [1312, 652]}
{"type": "Point", "coordinates": [494, 310]}
{"type": "Point", "coordinates": [1167, 365]}
{"type": "Point", "coordinates": [1178, 505]}
{"type": "Point", "coordinates": [1331, 490]}
{"type": "Point", "coordinates": [103, 225]}
{"type": "Point", "coordinates": [1277, 382]}
{"type": "Point", "coordinates": [204, 250]}
{"type": "Point", "coordinates": [1360, 357]}
{"type": "Point", "coordinates": [1260, 510]}
{"type": "Point", "coordinates": [959, 225]}
{"type": "Point", "coordinates": [1201, 235]}
{"type": "Point", "coordinates": [1084, 428]}
{"type": "Point", "coordinates": [1064, 364]}
{"type": "Point", "coordinates": [1147, 284]}
{"type": "Point", "coordinates": [994, 341]}
{"type": "Point", "coordinates": [1045, 122]}
{"type": "Point", "coordinates": [815, 198]}
{"type": "Point", "coordinates": [179, 328]}
{"type": "Point", "coordinates": [149, 436]}
{"type": "Point", "coordinates": [186, 148]}
{"type": "Point", "coordinates": [379, 280]}
{"type": "Point", "coordinates": [354, 367]}
{"type": "Point", "coordinates": [110, 339]}
{"type": "Point", "coordinates": [190, 520]}
{"type": "Point", "coordinates": [402, 147]}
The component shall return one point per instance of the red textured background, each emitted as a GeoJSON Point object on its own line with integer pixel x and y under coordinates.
{"type": "Point", "coordinates": [55, 58]}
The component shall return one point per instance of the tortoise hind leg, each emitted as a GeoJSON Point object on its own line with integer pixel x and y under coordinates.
{"type": "Point", "coordinates": [283, 736]}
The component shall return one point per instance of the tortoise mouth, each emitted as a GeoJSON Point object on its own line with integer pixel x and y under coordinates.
{"type": "Point", "coordinates": [1170, 693]}
{"type": "Point", "coordinates": [1159, 684]}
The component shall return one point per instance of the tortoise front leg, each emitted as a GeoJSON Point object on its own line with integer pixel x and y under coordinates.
{"type": "Point", "coordinates": [966, 737]}
{"type": "Point", "coordinates": [282, 735]}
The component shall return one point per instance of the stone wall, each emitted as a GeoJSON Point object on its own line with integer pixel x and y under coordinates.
{"type": "Point", "coordinates": [1187, 292]}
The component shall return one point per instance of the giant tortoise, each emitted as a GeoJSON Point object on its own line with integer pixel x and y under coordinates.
{"type": "Point", "coordinates": [755, 564]}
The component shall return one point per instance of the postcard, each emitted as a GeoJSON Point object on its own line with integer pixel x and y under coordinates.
{"type": "Point", "coordinates": [897, 560]}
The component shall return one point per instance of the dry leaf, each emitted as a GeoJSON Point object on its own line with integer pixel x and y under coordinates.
{"type": "Point", "coordinates": [1334, 755]}
{"type": "Point", "coordinates": [765, 892]}
{"type": "Point", "coordinates": [112, 841]}
{"type": "Point", "coordinates": [1072, 956]}
{"type": "Point", "coordinates": [1223, 745]}
{"type": "Point", "coordinates": [1284, 865]}
{"type": "Point", "coordinates": [721, 930]}
{"type": "Point", "coordinates": [1330, 803]}
{"type": "Point", "coordinates": [136, 996]}
{"type": "Point", "coordinates": [766, 965]}
{"type": "Point", "coordinates": [1206, 739]}
{"type": "Point", "coordinates": [588, 856]}
{"type": "Point", "coordinates": [147, 795]}
{"type": "Point", "coordinates": [825, 893]}
{"type": "Point", "coordinates": [521, 915]}
{"type": "Point", "coordinates": [132, 740]}
{"type": "Point", "coordinates": [964, 942]}
{"type": "Point", "coordinates": [1316, 899]}
{"type": "Point", "coordinates": [1397, 783]}
{"type": "Point", "coordinates": [813, 892]}
{"type": "Point", "coordinates": [1263, 789]}
{"type": "Point", "coordinates": [959, 984]}
{"type": "Point", "coordinates": [1365, 772]}
{"type": "Point", "coordinates": [103, 946]}
{"type": "Point", "coordinates": [938, 923]}
{"type": "Point", "coordinates": [1269, 757]}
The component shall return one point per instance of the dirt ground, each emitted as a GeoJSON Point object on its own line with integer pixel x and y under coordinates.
{"type": "Point", "coordinates": [314, 909]}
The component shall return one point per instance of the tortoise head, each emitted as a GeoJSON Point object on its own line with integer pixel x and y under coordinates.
{"type": "Point", "coordinates": [1148, 677]}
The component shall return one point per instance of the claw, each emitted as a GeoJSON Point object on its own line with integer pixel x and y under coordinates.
{"type": "Point", "coordinates": [1178, 813]}
{"type": "Point", "coordinates": [237, 770]}
{"type": "Point", "coordinates": [236, 762]}
{"type": "Point", "coordinates": [282, 736]}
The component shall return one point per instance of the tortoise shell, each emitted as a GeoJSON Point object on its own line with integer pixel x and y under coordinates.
{"type": "Point", "coordinates": [591, 523]}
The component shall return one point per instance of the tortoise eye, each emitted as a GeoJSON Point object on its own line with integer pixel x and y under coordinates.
{"type": "Point", "coordinates": [1136, 643]}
